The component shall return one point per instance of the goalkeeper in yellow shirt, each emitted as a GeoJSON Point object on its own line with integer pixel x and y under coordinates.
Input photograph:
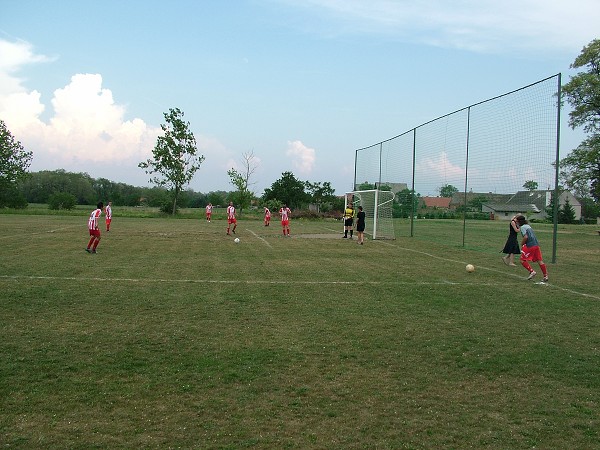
{"type": "Point", "coordinates": [348, 220]}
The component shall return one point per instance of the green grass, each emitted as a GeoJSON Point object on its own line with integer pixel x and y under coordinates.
{"type": "Point", "coordinates": [173, 336]}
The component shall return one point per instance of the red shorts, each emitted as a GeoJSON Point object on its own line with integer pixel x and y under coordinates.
{"type": "Point", "coordinates": [285, 223]}
{"type": "Point", "coordinates": [230, 221]}
{"type": "Point", "coordinates": [108, 221]}
{"type": "Point", "coordinates": [95, 233]}
{"type": "Point", "coordinates": [531, 253]}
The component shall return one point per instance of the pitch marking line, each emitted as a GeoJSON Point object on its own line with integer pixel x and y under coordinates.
{"type": "Point", "coordinates": [259, 237]}
{"type": "Point", "coordinates": [491, 270]}
{"type": "Point", "coordinates": [210, 281]}
{"type": "Point", "coordinates": [38, 232]}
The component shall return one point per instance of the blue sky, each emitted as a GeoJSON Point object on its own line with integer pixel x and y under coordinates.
{"type": "Point", "coordinates": [302, 84]}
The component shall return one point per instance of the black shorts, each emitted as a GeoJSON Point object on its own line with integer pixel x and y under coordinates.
{"type": "Point", "coordinates": [348, 222]}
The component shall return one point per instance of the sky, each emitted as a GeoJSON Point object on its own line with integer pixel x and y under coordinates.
{"type": "Point", "coordinates": [300, 84]}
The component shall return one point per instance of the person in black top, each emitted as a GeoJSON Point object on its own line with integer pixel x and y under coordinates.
{"type": "Point", "coordinates": [511, 248]}
{"type": "Point", "coordinates": [360, 225]}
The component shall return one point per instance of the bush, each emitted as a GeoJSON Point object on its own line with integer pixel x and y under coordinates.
{"type": "Point", "coordinates": [12, 198]}
{"type": "Point", "coordinates": [61, 200]}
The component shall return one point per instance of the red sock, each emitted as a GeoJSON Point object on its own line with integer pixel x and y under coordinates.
{"type": "Point", "coordinates": [96, 244]}
{"type": "Point", "coordinates": [288, 231]}
{"type": "Point", "coordinates": [544, 269]}
{"type": "Point", "coordinates": [92, 239]}
{"type": "Point", "coordinates": [527, 266]}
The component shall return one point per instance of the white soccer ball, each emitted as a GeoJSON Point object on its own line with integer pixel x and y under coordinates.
{"type": "Point", "coordinates": [236, 240]}
{"type": "Point", "coordinates": [470, 268]}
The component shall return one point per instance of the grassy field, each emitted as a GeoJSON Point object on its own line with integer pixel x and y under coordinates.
{"type": "Point", "coordinates": [172, 336]}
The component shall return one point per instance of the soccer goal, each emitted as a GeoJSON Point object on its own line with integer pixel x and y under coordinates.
{"type": "Point", "coordinates": [377, 206]}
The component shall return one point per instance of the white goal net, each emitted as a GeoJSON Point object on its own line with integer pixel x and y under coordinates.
{"type": "Point", "coordinates": [377, 206]}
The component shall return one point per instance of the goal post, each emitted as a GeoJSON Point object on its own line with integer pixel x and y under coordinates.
{"type": "Point", "coordinates": [377, 205]}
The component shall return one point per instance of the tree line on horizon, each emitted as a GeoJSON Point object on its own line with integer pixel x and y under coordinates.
{"type": "Point", "coordinates": [63, 190]}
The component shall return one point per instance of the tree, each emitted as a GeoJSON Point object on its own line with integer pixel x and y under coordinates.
{"type": "Point", "coordinates": [580, 170]}
{"type": "Point", "coordinates": [448, 190]}
{"type": "Point", "coordinates": [583, 90]}
{"type": "Point", "coordinates": [550, 209]}
{"type": "Point", "coordinates": [406, 203]}
{"type": "Point", "coordinates": [530, 185]}
{"type": "Point", "coordinates": [176, 158]}
{"type": "Point", "coordinates": [61, 200]}
{"type": "Point", "coordinates": [320, 193]}
{"type": "Point", "coordinates": [241, 179]}
{"type": "Point", "coordinates": [287, 189]}
{"type": "Point", "coordinates": [566, 214]}
{"type": "Point", "coordinates": [14, 162]}
{"type": "Point", "coordinates": [477, 202]}
{"type": "Point", "coordinates": [366, 186]}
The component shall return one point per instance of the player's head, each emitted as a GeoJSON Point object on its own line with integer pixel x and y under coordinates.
{"type": "Point", "coordinates": [521, 220]}
{"type": "Point", "coordinates": [360, 208]}
{"type": "Point", "coordinates": [100, 205]}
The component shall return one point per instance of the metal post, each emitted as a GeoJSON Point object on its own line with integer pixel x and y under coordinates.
{"type": "Point", "coordinates": [412, 190]}
{"type": "Point", "coordinates": [556, 171]}
{"type": "Point", "coordinates": [466, 175]}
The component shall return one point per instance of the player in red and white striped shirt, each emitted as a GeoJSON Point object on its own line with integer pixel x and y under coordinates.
{"type": "Point", "coordinates": [231, 218]}
{"type": "Point", "coordinates": [108, 215]}
{"type": "Point", "coordinates": [285, 214]}
{"type": "Point", "coordinates": [267, 217]}
{"type": "Point", "coordinates": [208, 212]}
{"type": "Point", "coordinates": [93, 228]}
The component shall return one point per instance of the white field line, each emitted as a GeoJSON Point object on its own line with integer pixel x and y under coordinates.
{"type": "Point", "coordinates": [39, 232]}
{"type": "Point", "coordinates": [211, 281]}
{"type": "Point", "coordinates": [258, 237]}
{"type": "Point", "coordinates": [519, 277]}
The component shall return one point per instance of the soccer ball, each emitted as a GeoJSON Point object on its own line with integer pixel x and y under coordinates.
{"type": "Point", "coordinates": [470, 268]}
{"type": "Point", "coordinates": [236, 240]}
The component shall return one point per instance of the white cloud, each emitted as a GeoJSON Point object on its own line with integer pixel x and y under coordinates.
{"type": "Point", "coordinates": [477, 25]}
{"type": "Point", "coordinates": [86, 125]}
{"type": "Point", "coordinates": [440, 167]}
{"type": "Point", "coordinates": [13, 56]}
{"type": "Point", "coordinates": [303, 157]}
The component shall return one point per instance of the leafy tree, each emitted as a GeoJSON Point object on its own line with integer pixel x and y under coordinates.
{"type": "Point", "coordinates": [477, 202]}
{"type": "Point", "coordinates": [550, 209]}
{"type": "Point", "coordinates": [41, 185]}
{"type": "Point", "coordinates": [580, 170]}
{"type": "Point", "coordinates": [583, 90]}
{"type": "Point", "coordinates": [589, 208]}
{"type": "Point", "coordinates": [448, 190]}
{"type": "Point", "coordinates": [566, 214]}
{"type": "Point", "coordinates": [217, 198]}
{"type": "Point", "coordinates": [14, 162]}
{"type": "Point", "coordinates": [241, 180]}
{"type": "Point", "coordinates": [530, 185]}
{"type": "Point", "coordinates": [176, 157]}
{"type": "Point", "coordinates": [61, 200]}
{"type": "Point", "coordinates": [407, 203]}
{"type": "Point", "coordinates": [366, 186]}
{"type": "Point", "coordinates": [273, 205]}
{"type": "Point", "coordinates": [320, 193]}
{"type": "Point", "coordinates": [287, 189]}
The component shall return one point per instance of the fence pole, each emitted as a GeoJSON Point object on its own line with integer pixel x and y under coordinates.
{"type": "Point", "coordinates": [466, 176]}
{"type": "Point", "coordinates": [556, 171]}
{"type": "Point", "coordinates": [412, 188]}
